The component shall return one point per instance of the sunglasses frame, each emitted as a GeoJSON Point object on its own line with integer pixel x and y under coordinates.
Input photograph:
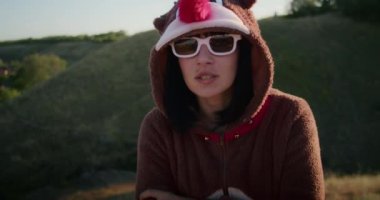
{"type": "Point", "coordinates": [206, 41]}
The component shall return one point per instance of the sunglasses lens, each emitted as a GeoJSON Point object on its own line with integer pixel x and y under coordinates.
{"type": "Point", "coordinates": [186, 46]}
{"type": "Point", "coordinates": [222, 43]}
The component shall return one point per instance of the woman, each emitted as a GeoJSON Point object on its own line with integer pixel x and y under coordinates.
{"type": "Point", "coordinates": [220, 131]}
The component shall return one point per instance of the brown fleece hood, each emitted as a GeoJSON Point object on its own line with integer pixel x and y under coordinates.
{"type": "Point", "coordinates": [262, 62]}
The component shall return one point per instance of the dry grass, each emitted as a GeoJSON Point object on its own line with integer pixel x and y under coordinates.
{"type": "Point", "coordinates": [355, 187]}
{"type": "Point", "coordinates": [116, 191]}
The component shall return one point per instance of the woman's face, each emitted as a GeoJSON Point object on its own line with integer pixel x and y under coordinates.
{"type": "Point", "coordinates": [208, 75]}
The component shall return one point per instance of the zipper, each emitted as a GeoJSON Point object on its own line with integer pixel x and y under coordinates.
{"type": "Point", "coordinates": [222, 144]}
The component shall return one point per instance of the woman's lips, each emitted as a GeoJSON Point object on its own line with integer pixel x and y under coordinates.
{"type": "Point", "coordinates": [206, 78]}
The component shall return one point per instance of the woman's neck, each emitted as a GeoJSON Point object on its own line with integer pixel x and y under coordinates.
{"type": "Point", "coordinates": [210, 106]}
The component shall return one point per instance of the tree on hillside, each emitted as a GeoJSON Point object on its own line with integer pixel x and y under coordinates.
{"type": "Point", "coordinates": [327, 5]}
{"type": "Point", "coordinates": [109, 37]}
{"type": "Point", "coordinates": [36, 68]}
{"type": "Point", "coordinates": [365, 9]}
{"type": "Point", "coordinates": [4, 73]}
{"type": "Point", "coordinates": [300, 8]}
{"type": "Point", "coordinates": [361, 9]}
{"type": "Point", "coordinates": [303, 7]}
{"type": "Point", "coordinates": [6, 92]}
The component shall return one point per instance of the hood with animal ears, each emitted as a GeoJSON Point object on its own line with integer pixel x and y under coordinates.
{"type": "Point", "coordinates": [196, 16]}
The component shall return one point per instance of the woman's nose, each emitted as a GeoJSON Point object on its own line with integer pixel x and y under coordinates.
{"type": "Point", "coordinates": [204, 56]}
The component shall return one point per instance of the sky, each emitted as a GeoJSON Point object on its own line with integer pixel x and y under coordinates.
{"type": "Point", "coordinates": [20, 19]}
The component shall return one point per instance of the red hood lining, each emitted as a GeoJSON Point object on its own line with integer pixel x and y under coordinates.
{"type": "Point", "coordinates": [240, 130]}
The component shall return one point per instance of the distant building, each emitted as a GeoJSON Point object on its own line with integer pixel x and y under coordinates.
{"type": "Point", "coordinates": [5, 71]}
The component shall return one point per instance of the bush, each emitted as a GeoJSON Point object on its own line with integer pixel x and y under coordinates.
{"type": "Point", "coordinates": [2, 64]}
{"type": "Point", "coordinates": [7, 94]}
{"type": "Point", "coordinates": [35, 69]}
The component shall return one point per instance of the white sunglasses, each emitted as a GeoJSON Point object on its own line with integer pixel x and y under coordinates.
{"type": "Point", "coordinates": [219, 45]}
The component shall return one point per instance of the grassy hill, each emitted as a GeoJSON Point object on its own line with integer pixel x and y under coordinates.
{"type": "Point", "coordinates": [70, 51]}
{"type": "Point", "coordinates": [333, 62]}
{"type": "Point", "coordinates": [71, 48]}
{"type": "Point", "coordinates": [87, 118]}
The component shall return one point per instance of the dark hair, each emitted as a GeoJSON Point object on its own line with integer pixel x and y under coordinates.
{"type": "Point", "coordinates": [181, 104]}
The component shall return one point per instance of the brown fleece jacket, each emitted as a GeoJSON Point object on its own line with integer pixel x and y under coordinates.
{"type": "Point", "coordinates": [271, 152]}
{"type": "Point", "coordinates": [279, 159]}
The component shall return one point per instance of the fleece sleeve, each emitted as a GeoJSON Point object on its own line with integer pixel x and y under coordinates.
{"type": "Point", "coordinates": [302, 175]}
{"type": "Point", "coordinates": [153, 170]}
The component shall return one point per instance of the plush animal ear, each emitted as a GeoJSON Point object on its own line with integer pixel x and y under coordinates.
{"type": "Point", "coordinates": [247, 4]}
{"type": "Point", "coordinates": [160, 23]}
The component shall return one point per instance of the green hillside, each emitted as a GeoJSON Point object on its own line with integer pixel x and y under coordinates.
{"type": "Point", "coordinates": [71, 51]}
{"type": "Point", "coordinates": [334, 63]}
{"type": "Point", "coordinates": [70, 48]}
{"type": "Point", "coordinates": [87, 118]}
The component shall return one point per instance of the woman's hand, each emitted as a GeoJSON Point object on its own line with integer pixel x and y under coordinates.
{"type": "Point", "coordinates": [152, 194]}
{"type": "Point", "coordinates": [234, 193]}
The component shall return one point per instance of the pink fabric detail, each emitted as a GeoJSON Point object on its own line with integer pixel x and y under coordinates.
{"type": "Point", "coordinates": [194, 10]}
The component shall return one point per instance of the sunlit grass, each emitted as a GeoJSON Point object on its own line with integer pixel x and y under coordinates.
{"type": "Point", "coordinates": [115, 191]}
{"type": "Point", "coordinates": [353, 187]}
